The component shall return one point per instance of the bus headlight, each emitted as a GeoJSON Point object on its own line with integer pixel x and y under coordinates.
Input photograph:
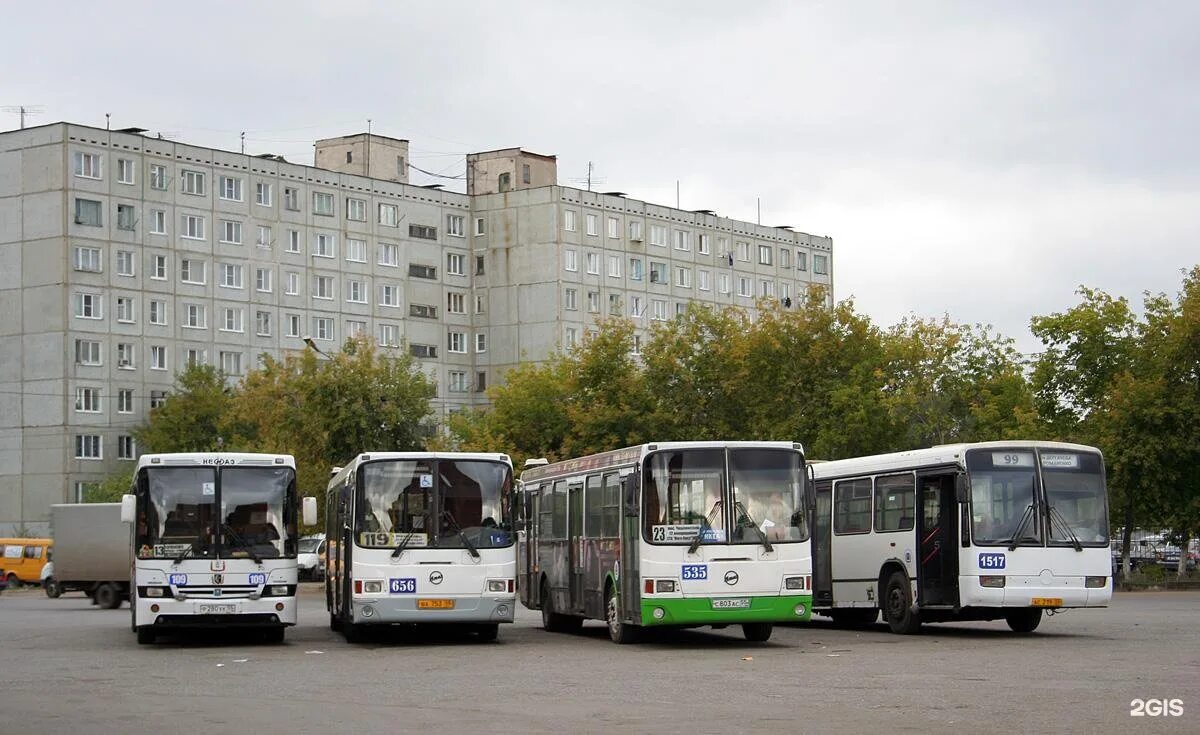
{"type": "Point", "coordinates": [664, 585]}
{"type": "Point", "coordinates": [497, 585]}
{"type": "Point", "coordinates": [991, 580]}
{"type": "Point", "coordinates": [1095, 583]}
{"type": "Point", "coordinates": [659, 613]}
{"type": "Point", "coordinates": [799, 610]}
{"type": "Point", "coordinates": [793, 583]}
{"type": "Point", "coordinates": [372, 586]}
{"type": "Point", "coordinates": [152, 592]}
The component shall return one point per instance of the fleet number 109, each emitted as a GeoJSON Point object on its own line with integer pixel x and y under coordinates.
{"type": "Point", "coordinates": [1156, 708]}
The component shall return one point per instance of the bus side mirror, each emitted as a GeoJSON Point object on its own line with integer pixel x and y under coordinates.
{"type": "Point", "coordinates": [309, 510]}
{"type": "Point", "coordinates": [630, 486]}
{"type": "Point", "coordinates": [128, 508]}
{"type": "Point", "coordinates": [962, 490]}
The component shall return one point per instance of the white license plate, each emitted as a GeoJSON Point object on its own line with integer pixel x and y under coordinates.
{"type": "Point", "coordinates": [218, 609]}
{"type": "Point", "coordinates": [728, 603]}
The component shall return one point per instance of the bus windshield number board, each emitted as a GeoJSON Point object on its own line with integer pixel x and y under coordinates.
{"type": "Point", "coordinates": [694, 571]}
{"type": "Point", "coordinates": [991, 561]}
{"type": "Point", "coordinates": [1012, 459]}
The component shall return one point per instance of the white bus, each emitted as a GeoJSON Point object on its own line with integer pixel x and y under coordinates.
{"type": "Point", "coordinates": [420, 537]}
{"type": "Point", "coordinates": [677, 534]}
{"type": "Point", "coordinates": [961, 532]}
{"type": "Point", "coordinates": [214, 542]}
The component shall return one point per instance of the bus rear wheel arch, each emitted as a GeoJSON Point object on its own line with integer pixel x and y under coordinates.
{"type": "Point", "coordinates": [619, 631]}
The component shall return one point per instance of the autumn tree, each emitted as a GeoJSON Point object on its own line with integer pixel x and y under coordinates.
{"type": "Point", "coordinates": [190, 419]}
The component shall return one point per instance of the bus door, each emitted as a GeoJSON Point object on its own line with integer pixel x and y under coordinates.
{"type": "Point", "coordinates": [525, 528]}
{"type": "Point", "coordinates": [575, 539]}
{"type": "Point", "coordinates": [822, 560]}
{"type": "Point", "coordinates": [937, 574]}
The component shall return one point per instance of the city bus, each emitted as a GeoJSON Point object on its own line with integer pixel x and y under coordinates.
{"type": "Point", "coordinates": [421, 537]}
{"type": "Point", "coordinates": [962, 532]}
{"type": "Point", "coordinates": [214, 542]}
{"type": "Point", "coordinates": [674, 534]}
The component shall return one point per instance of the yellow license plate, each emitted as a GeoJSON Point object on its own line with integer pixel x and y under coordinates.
{"type": "Point", "coordinates": [435, 604]}
{"type": "Point", "coordinates": [1047, 602]}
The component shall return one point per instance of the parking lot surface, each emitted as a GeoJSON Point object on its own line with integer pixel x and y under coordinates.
{"type": "Point", "coordinates": [68, 667]}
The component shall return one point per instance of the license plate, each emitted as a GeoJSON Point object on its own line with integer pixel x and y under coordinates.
{"type": "Point", "coordinates": [731, 603]}
{"type": "Point", "coordinates": [1047, 602]}
{"type": "Point", "coordinates": [435, 604]}
{"type": "Point", "coordinates": [218, 609]}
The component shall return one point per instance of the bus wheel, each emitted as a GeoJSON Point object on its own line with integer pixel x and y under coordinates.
{"type": "Point", "coordinates": [273, 635]}
{"type": "Point", "coordinates": [757, 632]}
{"type": "Point", "coordinates": [897, 600]}
{"type": "Point", "coordinates": [353, 632]}
{"type": "Point", "coordinates": [53, 589]}
{"type": "Point", "coordinates": [145, 635]}
{"type": "Point", "coordinates": [108, 597]}
{"type": "Point", "coordinates": [487, 632]}
{"type": "Point", "coordinates": [551, 621]}
{"type": "Point", "coordinates": [335, 623]}
{"type": "Point", "coordinates": [620, 632]}
{"type": "Point", "coordinates": [855, 617]}
{"type": "Point", "coordinates": [1025, 620]}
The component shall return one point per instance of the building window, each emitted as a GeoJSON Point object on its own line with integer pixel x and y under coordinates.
{"type": "Point", "coordinates": [702, 241]}
{"type": "Point", "coordinates": [158, 357]}
{"type": "Point", "coordinates": [89, 305]}
{"type": "Point", "coordinates": [125, 309]}
{"type": "Point", "coordinates": [525, 177]}
{"type": "Point", "coordinates": [428, 272]}
{"type": "Point", "coordinates": [125, 356]}
{"type": "Point", "coordinates": [355, 328]}
{"type": "Point", "coordinates": [594, 302]}
{"type": "Point", "coordinates": [479, 225]}
{"type": "Point", "coordinates": [323, 203]}
{"type": "Point", "coordinates": [479, 304]}
{"type": "Point", "coordinates": [570, 300]}
{"type": "Point", "coordinates": [262, 280]}
{"type": "Point", "coordinates": [192, 227]}
{"type": "Point", "coordinates": [480, 260]}
{"type": "Point", "coordinates": [194, 316]}
{"type": "Point", "coordinates": [660, 310]}
{"type": "Point", "coordinates": [87, 352]}
{"type": "Point", "coordinates": [323, 328]}
{"type": "Point", "coordinates": [262, 194]}
{"type": "Point", "coordinates": [423, 311]}
{"type": "Point", "coordinates": [764, 254]}
{"type": "Point", "coordinates": [704, 280]}
{"type": "Point", "coordinates": [389, 335]}
{"type": "Point", "coordinates": [231, 275]}
{"type": "Point", "coordinates": [388, 216]}
{"type": "Point", "coordinates": [356, 209]}
{"type": "Point", "coordinates": [593, 263]}
{"type": "Point", "coordinates": [455, 225]}
{"type": "Point", "coordinates": [635, 269]}
{"type": "Point", "coordinates": [126, 447]}
{"type": "Point", "coordinates": [291, 199]}
{"type": "Point", "coordinates": [88, 212]}
{"type": "Point", "coordinates": [456, 303]}
{"type": "Point", "coordinates": [614, 266]}
{"type": "Point", "coordinates": [683, 277]}
{"type": "Point", "coordinates": [766, 288]}
{"type": "Point", "coordinates": [262, 323]}
{"type": "Point", "coordinates": [820, 264]}
{"type": "Point", "coordinates": [158, 177]}
{"type": "Point", "coordinates": [87, 165]}
{"type": "Point", "coordinates": [356, 250]}
{"type": "Point", "coordinates": [231, 363]}
{"type": "Point", "coordinates": [593, 225]}
{"type": "Point", "coordinates": [231, 320]}
{"type": "Point", "coordinates": [322, 287]}
{"type": "Point", "coordinates": [126, 219]}
{"type": "Point", "coordinates": [614, 227]}
{"type": "Point", "coordinates": [323, 245]}
{"type": "Point", "coordinates": [157, 398]}
{"type": "Point", "coordinates": [723, 283]}
{"type": "Point", "coordinates": [614, 304]}
{"type": "Point", "coordinates": [87, 446]}
{"type": "Point", "coordinates": [158, 222]}
{"type": "Point", "coordinates": [635, 307]}
{"type": "Point", "coordinates": [422, 232]}
{"type": "Point", "coordinates": [743, 251]}
{"type": "Point", "coordinates": [293, 284]}
{"type": "Point", "coordinates": [264, 237]}
{"type": "Point", "coordinates": [455, 265]}
{"type": "Point", "coordinates": [125, 400]}
{"type": "Point", "coordinates": [231, 232]}
{"type": "Point", "coordinates": [87, 400]}
{"type": "Point", "coordinates": [88, 259]}
{"type": "Point", "coordinates": [158, 312]}
{"type": "Point", "coordinates": [572, 337]}
{"type": "Point", "coordinates": [785, 258]}
{"type": "Point", "coordinates": [801, 260]}
{"type": "Point", "coordinates": [293, 325]}
{"type": "Point", "coordinates": [456, 342]}
{"type": "Point", "coordinates": [481, 342]}
{"type": "Point", "coordinates": [504, 181]}
{"type": "Point", "coordinates": [658, 235]}
{"type": "Point", "coordinates": [293, 241]}
{"type": "Point", "coordinates": [193, 182]}
{"type": "Point", "coordinates": [458, 381]}
{"type": "Point", "coordinates": [194, 356]}
{"type": "Point", "coordinates": [570, 260]}
{"type": "Point", "coordinates": [635, 231]}
{"type": "Point", "coordinates": [569, 220]}
{"type": "Point", "coordinates": [389, 254]}
{"type": "Point", "coordinates": [231, 188]}
{"type": "Point", "coordinates": [192, 271]}
{"type": "Point", "coordinates": [480, 381]}
{"type": "Point", "coordinates": [744, 287]}
{"type": "Point", "coordinates": [683, 240]}
{"type": "Point", "coordinates": [658, 272]}
{"type": "Point", "coordinates": [355, 292]}
{"type": "Point", "coordinates": [423, 351]}
{"type": "Point", "coordinates": [389, 295]}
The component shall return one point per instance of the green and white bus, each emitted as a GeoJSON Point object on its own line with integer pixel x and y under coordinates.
{"type": "Point", "coordinates": [673, 534]}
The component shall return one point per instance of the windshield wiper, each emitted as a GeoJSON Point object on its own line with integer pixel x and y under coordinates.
{"type": "Point", "coordinates": [1054, 513]}
{"type": "Point", "coordinates": [400, 547]}
{"type": "Point", "coordinates": [1016, 537]}
{"type": "Point", "coordinates": [240, 542]}
{"type": "Point", "coordinates": [191, 546]}
{"type": "Point", "coordinates": [458, 529]}
{"type": "Point", "coordinates": [737, 506]}
{"type": "Point", "coordinates": [706, 524]}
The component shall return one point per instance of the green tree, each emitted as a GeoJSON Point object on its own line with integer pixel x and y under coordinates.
{"type": "Point", "coordinates": [190, 419]}
{"type": "Point", "coordinates": [111, 489]}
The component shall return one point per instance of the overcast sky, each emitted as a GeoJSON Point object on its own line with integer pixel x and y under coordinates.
{"type": "Point", "coordinates": [980, 160]}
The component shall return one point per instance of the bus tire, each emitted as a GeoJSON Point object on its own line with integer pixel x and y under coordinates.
{"type": "Point", "coordinates": [552, 621]}
{"type": "Point", "coordinates": [619, 631]}
{"type": "Point", "coordinates": [52, 587]}
{"type": "Point", "coordinates": [897, 601]}
{"type": "Point", "coordinates": [145, 635]}
{"type": "Point", "coordinates": [273, 635]}
{"type": "Point", "coordinates": [107, 596]}
{"type": "Point", "coordinates": [487, 632]}
{"type": "Point", "coordinates": [1024, 620]}
{"type": "Point", "coordinates": [855, 617]}
{"type": "Point", "coordinates": [335, 623]}
{"type": "Point", "coordinates": [757, 632]}
{"type": "Point", "coordinates": [353, 632]}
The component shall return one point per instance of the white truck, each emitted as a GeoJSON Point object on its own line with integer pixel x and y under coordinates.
{"type": "Point", "coordinates": [91, 552]}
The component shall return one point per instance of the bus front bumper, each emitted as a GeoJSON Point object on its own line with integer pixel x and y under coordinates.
{"type": "Point", "coordinates": [709, 610]}
{"type": "Point", "coordinates": [216, 612]}
{"type": "Point", "coordinates": [474, 609]}
{"type": "Point", "coordinates": [1034, 591]}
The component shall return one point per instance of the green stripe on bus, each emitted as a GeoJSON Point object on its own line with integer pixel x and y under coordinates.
{"type": "Point", "coordinates": [700, 611]}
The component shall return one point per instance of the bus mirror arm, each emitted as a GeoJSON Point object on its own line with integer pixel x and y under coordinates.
{"type": "Point", "coordinates": [629, 484]}
{"type": "Point", "coordinates": [962, 488]}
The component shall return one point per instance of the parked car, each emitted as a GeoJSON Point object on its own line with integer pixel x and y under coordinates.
{"type": "Point", "coordinates": [3, 581]}
{"type": "Point", "coordinates": [310, 558]}
{"type": "Point", "coordinates": [24, 558]}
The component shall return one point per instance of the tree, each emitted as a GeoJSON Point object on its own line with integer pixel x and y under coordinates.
{"type": "Point", "coordinates": [111, 489]}
{"type": "Point", "coordinates": [190, 419]}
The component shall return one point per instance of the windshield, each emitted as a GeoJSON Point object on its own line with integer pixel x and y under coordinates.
{"type": "Point", "coordinates": [682, 495]}
{"type": "Point", "coordinates": [1002, 486]}
{"type": "Point", "coordinates": [177, 509]}
{"type": "Point", "coordinates": [257, 521]}
{"type": "Point", "coordinates": [767, 490]}
{"type": "Point", "coordinates": [1075, 490]}
{"type": "Point", "coordinates": [309, 545]}
{"type": "Point", "coordinates": [426, 503]}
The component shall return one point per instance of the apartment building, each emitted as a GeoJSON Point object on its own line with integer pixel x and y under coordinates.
{"type": "Point", "coordinates": [127, 257]}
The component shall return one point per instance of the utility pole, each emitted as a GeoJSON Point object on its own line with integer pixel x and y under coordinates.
{"type": "Point", "coordinates": [243, 142]}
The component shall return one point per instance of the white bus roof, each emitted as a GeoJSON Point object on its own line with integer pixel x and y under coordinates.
{"type": "Point", "coordinates": [630, 455]}
{"type": "Point", "coordinates": [353, 464]}
{"type": "Point", "coordinates": [940, 455]}
{"type": "Point", "coordinates": [188, 459]}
